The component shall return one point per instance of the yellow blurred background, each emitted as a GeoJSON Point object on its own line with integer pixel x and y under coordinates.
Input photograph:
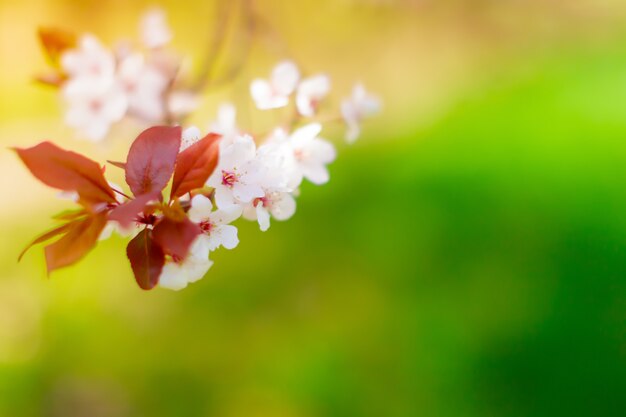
{"type": "Point", "coordinates": [467, 258]}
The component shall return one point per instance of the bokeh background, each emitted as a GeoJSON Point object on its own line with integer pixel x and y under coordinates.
{"type": "Point", "coordinates": [468, 257]}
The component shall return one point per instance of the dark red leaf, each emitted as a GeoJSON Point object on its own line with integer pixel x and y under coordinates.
{"type": "Point", "coordinates": [176, 237]}
{"type": "Point", "coordinates": [146, 259]}
{"type": "Point", "coordinates": [151, 159]}
{"type": "Point", "coordinates": [127, 213]}
{"type": "Point", "coordinates": [80, 238]}
{"type": "Point", "coordinates": [117, 164]}
{"type": "Point", "coordinates": [55, 42]}
{"type": "Point", "coordinates": [67, 171]}
{"type": "Point", "coordinates": [195, 165]}
{"type": "Point", "coordinates": [45, 236]}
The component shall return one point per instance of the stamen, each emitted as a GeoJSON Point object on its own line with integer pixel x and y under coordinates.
{"type": "Point", "coordinates": [228, 178]}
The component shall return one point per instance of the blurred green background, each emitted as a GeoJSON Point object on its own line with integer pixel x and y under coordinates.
{"type": "Point", "coordinates": [468, 257]}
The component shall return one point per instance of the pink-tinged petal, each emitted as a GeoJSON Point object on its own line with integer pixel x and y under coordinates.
{"type": "Point", "coordinates": [227, 215]}
{"type": "Point", "coordinates": [240, 151]}
{"type": "Point", "coordinates": [197, 269]}
{"type": "Point", "coordinates": [173, 277]}
{"type": "Point", "coordinates": [285, 77]}
{"type": "Point", "coordinates": [263, 217]}
{"type": "Point", "coordinates": [284, 207]}
{"type": "Point", "coordinates": [247, 192]}
{"type": "Point", "coordinates": [115, 105]}
{"type": "Point", "coordinates": [261, 92]}
{"type": "Point", "coordinates": [249, 212]}
{"type": "Point", "coordinates": [190, 136]}
{"type": "Point", "coordinates": [228, 236]}
{"type": "Point", "coordinates": [90, 59]}
{"type": "Point", "coordinates": [107, 231]}
{"type": "Point", "coordinates": [305, 134]}
{"type": "Point", "coordinates": [322, 151]}
{"type": "Point", "coordinates": [154, 29]}
{"type": "Point", "coordinates": [224, 198]}
{"type": "Point", "coordinates": [316, 173]}
{"type": "Point", "coordinates": [310, 92]}
{"type": "Point", "coordinates": [201, 208]}
{"type": "Point", "coordinates": [201, 247]}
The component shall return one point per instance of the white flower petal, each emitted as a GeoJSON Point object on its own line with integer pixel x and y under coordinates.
{"type": "Point", "coordinates": [201, 208]}
{"type": "Point", "coordinates": [305, 134]}
{"type": "Point", "coordinates": [322, 151]}
{"type": "Point", "coordinates": [196, 269]}
{"type": "Point", "coordinates": [264, 97]}
{"type": "Point", "coordinates": [228, 236]}
{"type": "Point", "coordinates": [317, 174]}
{"type": "Point", "coordinates": [310, 92]}
{"type": "Point", "coordinates": [247, 192]}
{"type": "Point", "coordinates": [283, 207]}
{"type": "Point", "coordinates": [224, 198]}
{"type": "Point", "coordinates": [173, 277]}
{"type": "Point", "coordinates": [190, 136]}
{"type": "Point", "coordinates": [227, 215]}
{"type": "Point", "coordinates": [285, 77]}
{"type": "Point", "coordinates": [263, 217]}
{"type": "Point", "coordinates": [154, 29]}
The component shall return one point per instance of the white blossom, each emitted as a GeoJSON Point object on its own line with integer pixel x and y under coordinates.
{"type": "Point", "coordinates": [144, 86]}
{"type": "Point", "coordinates": [93, 105]}
{"type": "Point", "coordinates": [154, 29]}
{"type": "Point", "coordinates": [275, 92]}
{"type": "Point", "coordinates": [238, 176]}
{"type": "Point", "coordinates": [177, 275]}
{"type": "Point", "coordinates": [281, 206]}
{"type": "Point", "coordinates": [216, 230]}
{"type": "Point", "coordinates": [360, 105]}
{"type": "Point", "coordinates": [90, 60]}
{"type": "Point", "coordinates": [311, 154]}
{"type": "Point", "coordinates": [310, 92]}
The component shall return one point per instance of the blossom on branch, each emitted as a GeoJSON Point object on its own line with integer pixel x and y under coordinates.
{"type": "Point", "coordinates": [101, 86]}
{"type": "Point", "coordinates": [360, 105]}
{"type": "Point", "coordinates": [274, 92]}
{"type": "Point", "coordinates": [184, 188]}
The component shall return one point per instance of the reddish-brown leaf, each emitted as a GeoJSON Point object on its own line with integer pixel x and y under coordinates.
{"type": "Point", "coordinates": [127, 213]}
{"type": "Point", "coordinates": [176, 237]}
{"type": "Point", "coordinates": [55, 42]}
{"type": "Point", "coordinates": [45, 236]}
{"type": "Point", "coordinates": [195, 165]}
{"type": "Point", "coordinates": [80, 238]}
{"type": "Point", "coordinates": [70, 214]}
{"type": "Point", "coordinates": [151, 159]}
{"type": "Point", "coordinates": [146, 259]}
{"type": "Point", "coordinates": [67, 171]}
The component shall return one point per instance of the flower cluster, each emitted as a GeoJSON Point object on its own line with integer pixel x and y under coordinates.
{"type": "Point", "coordinates": [100, 86]}
{"type": "Point", "coordinates": [210, 180]}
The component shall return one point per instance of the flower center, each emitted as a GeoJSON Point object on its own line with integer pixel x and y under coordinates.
{"type": "Point", "coordinates": [228, 178]}
{"type": "Point", "coordinates": [300, 154]}
{"type": "Point", "coordinates": [206, 226]}
{"type": "Point", "coordinates": [262, 200]}
{"type": "Point", "coordinates": [95, 105]}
